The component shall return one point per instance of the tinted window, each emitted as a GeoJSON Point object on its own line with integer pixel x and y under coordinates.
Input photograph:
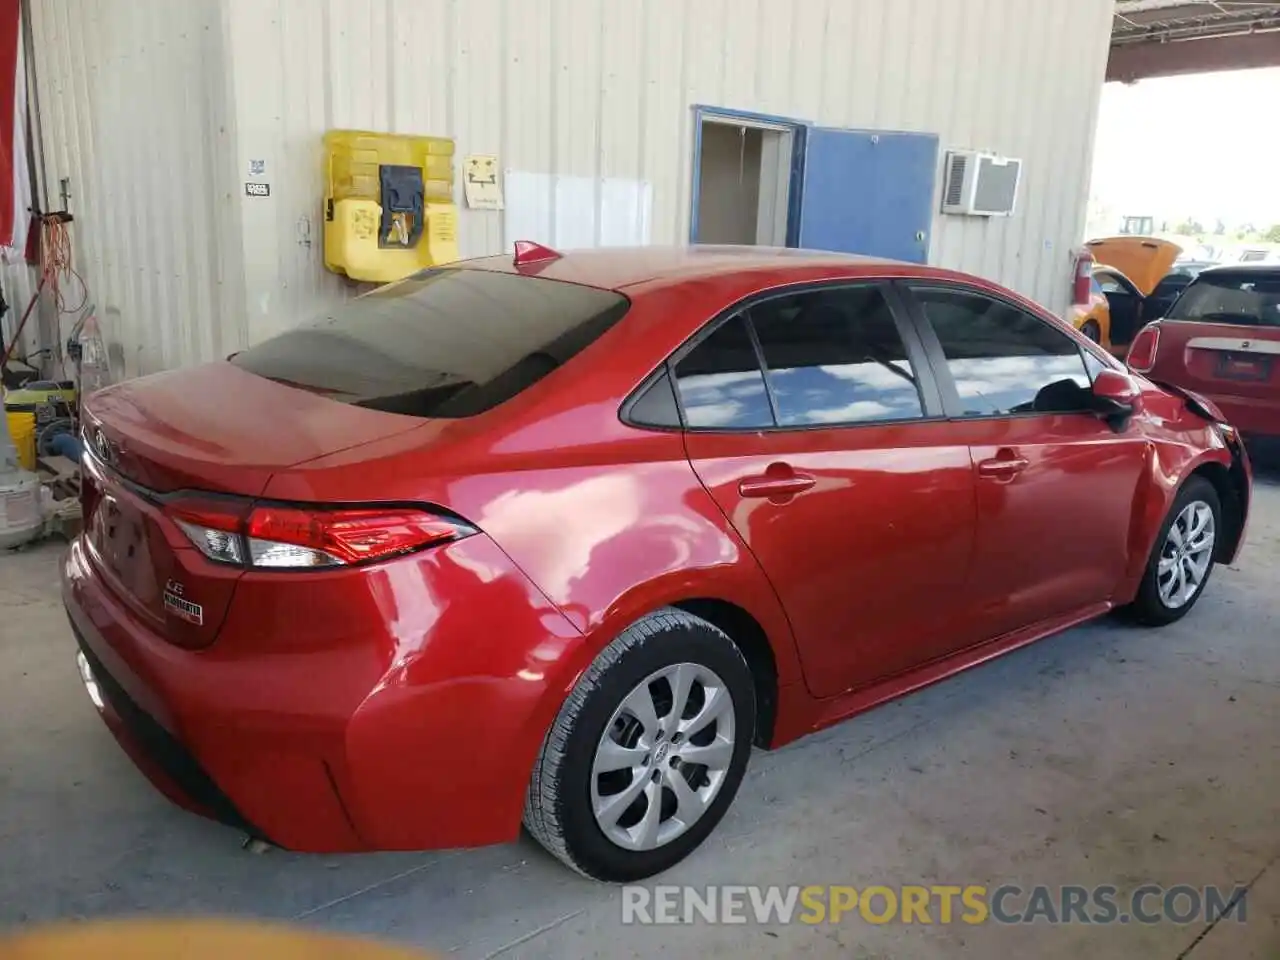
{"type": "Point", "coordinates": [720, 382]}
{"type": "Point", "coordinates": [1003, 360]}
{"type": "Point", "coordinates": [835, 356]}
{"type": "Point", "coordinates": [1170, 285]}
{"type": "Point", "coordinates": [656, 405]}
{"type": "Point", "coordinates": [1245, 298]}
{"type": "Point", "coordinates": [449, 343]}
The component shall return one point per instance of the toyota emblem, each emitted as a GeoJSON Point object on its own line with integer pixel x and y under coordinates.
{"type": "Point", "coordinates": [102, 446]}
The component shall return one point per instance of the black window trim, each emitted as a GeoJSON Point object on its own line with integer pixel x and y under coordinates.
{"type": "Point", "coordinates": [932, 402]}
{"type": "Point", "coordinates": [938, 358]}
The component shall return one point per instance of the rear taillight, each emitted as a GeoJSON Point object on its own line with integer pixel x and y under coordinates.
{"type": "Point", "coordinates": [214, 526]}
{"type": "Point", "coordinates": [1142, 352]}
{"type": "Point", "coordinates": [291, 537]}
{"type": "Point", "coordinates": [1082, 281]}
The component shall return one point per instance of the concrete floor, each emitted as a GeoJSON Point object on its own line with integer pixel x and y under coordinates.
{"type": "Point", "coordinates": [1105, 755]}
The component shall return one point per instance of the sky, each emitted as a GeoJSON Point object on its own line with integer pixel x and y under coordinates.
{"type": "Point", "coordinates": [1206, 145]}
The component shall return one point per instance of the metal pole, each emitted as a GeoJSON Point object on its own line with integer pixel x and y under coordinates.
{"type": "Point", "coordinates": [48, 328]}
{"type": "Point", "coordinates": [35, 129]}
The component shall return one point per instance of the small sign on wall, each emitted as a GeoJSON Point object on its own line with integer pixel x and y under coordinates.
{"type": "Point", "coordinates": [252, 189]}
{"type": "Point", "coordinates": [480, 182]}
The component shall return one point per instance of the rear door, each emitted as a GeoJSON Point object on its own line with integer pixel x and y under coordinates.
{"type": "Point", "coordinates": [1055, 484]}
{"type": "Point", "coordinates": [1124, 304]}
{"type": "Point", "coordinates": [812, 420]}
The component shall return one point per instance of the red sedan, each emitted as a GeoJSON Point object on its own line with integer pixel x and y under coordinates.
{"type": "Point", "coordinates": [1221, 338]}
{"type": "Point", "coordinates": [558, 540]}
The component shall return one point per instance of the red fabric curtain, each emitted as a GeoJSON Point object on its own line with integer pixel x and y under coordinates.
{"type": "Point", "coordinates": [13, 117]}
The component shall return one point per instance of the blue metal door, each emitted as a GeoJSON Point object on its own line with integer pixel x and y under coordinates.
{"type": "Point", "coordinates": [868, 191]}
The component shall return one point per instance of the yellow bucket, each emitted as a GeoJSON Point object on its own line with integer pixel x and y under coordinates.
{"type": "Point", "coordinates": [22, 428]}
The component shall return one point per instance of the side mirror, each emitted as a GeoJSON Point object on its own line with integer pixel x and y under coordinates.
{"type": "Point", "coordinates": [1116, 397]}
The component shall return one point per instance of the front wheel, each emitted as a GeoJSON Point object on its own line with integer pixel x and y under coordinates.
{"type": "Point", "coordinates": [1182, 559]}
{"type": "Point", "coordinates": [647, 751]}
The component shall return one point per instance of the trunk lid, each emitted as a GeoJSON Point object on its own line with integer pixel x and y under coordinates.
{"type": "Point", "coordinates": [212, 429]}
{"type": "Point", "coordinates": [219, 428]}
{"type": "Point", "coordinates": [1144, 260]}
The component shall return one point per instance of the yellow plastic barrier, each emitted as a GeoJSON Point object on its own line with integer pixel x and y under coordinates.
{"type": "Point", "coordinates": [389, 209]}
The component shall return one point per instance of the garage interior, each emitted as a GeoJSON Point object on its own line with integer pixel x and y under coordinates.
{"type": "Point", "coordinates": [1104, 755]}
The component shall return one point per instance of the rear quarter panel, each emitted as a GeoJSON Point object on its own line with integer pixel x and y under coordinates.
{"type": "Point", "coordinates": [607, 520]}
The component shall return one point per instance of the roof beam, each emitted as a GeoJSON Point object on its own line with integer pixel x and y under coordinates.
{"type": "Point", "coordinates": [1137, 61]}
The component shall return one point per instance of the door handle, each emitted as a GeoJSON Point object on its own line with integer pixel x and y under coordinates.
{"type": "Point", "coordinates": [775, 485]}
{"type": "Point", "coordinates": [1002, 468]}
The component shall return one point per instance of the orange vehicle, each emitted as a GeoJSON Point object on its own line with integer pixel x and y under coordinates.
{"type": "Point", "coordinates": [1126, 290]}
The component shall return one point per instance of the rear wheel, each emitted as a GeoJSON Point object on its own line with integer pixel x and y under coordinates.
{"type": "Point", "coordinates": [647, 752]}
{"type": "Point", "coordinates": [1182, 559]}
{"type": "Point", "coordinates": [1091, 330]}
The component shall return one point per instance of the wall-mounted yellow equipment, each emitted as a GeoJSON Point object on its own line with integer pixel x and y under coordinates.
{"type": "Point", "coordinates": [389, 209]}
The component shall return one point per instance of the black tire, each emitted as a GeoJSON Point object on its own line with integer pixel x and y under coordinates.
{"type": "Point", "coordinates": [1149, 608]}
{"type": "Point", "coordinates": [1091, 330]}
{"type": "Point", "coordinates": [558, 809]}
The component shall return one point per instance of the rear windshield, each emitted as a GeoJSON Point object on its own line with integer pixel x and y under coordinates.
{"type": "Point", "coordinates": [1248, 299]}
{"type": "Point", "coordinates": [449, 343]}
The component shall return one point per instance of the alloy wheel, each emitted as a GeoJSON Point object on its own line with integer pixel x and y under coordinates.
{"type": "Point", "coordinates": [663, 756]}
{"type": "Point", "coordinates": [1186, 555]}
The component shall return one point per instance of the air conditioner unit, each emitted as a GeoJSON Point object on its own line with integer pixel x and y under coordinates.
{"type": "Point", "coordinates": [980, 184]}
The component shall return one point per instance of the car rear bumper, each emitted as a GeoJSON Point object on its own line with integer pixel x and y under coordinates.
{"type": "Point", "coordinates": [1250, 415]}
{"type": "Point", "coordinates": [414, 731]}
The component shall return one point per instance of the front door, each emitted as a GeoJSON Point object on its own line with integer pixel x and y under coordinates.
{"type": "Point", "coordinates": [1124, 304]}
{"type": "Point", "coordinates": [1055, 484]}
{"type": "Point", "coordinates": [869, 192]}
{"type": "Point", "coordinates": [828, 462]}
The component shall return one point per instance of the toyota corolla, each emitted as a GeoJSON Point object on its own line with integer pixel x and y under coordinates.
{"type": "Point", "coordinates": [557, 539]}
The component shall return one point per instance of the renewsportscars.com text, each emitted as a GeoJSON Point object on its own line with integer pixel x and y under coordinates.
{"type": "Point", "coordinates": [932, 904]}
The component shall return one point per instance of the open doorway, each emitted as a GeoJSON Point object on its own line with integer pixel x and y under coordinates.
{"type": "Point", "coordinates": [742, 180]}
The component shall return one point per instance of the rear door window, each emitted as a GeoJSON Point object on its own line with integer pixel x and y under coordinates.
{"type": "Point", "coordinates": [720, 382]}
{"type": "Point", "coordinates": [453, 342]}
{"type": "Point", "coordinates": [1249, 299]}
{"type": "Point", "coordinates": [835, 357]}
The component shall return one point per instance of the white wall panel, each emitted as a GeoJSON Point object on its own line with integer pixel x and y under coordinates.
{"type": "Point", "coordinates": [135, 114]}
{"type": "Point", "coordinates": [156, 108]}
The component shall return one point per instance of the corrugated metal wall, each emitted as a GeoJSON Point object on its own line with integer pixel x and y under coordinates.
{"type": "Point", "coordinates": [18, 282]}
{"type": "Point", "coordinates": [135, 112]}
{"type": "Point", "coordinates": [596, 88]}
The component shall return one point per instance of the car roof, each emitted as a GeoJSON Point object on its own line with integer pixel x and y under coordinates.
{"type": "Point", "coordinates": [621, 268]}
{"type": "Point", "coordinates": [1244, 269]}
